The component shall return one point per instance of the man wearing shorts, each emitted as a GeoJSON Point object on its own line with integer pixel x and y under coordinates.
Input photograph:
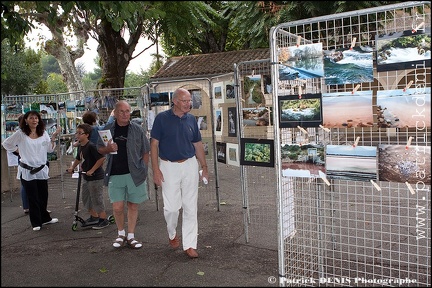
{"type": "Point", "coordinates": [126, 172]}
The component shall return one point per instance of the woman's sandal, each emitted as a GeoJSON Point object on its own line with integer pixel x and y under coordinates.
{"type": "Point", "coordinates": [133, 243]}
{"type": "Point", "coordinates": [119, 241]}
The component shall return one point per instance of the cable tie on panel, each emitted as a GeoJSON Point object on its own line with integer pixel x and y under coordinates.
{"type": "Point", "coordinates": [298, 40]}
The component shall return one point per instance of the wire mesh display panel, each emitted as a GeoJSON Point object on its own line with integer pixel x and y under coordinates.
{"type": "Point", "coordinates": [66, 109]}
{"type": "Point", "coordinates": [354, 177]}
{"type": "Point", "coordinates": [254, 109]}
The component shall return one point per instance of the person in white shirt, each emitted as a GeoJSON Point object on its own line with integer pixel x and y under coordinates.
{"type": "Point", "coordinates": [33, 142]}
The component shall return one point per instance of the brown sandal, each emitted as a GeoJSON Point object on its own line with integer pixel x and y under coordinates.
{"type": "Point", "coordinates": [133, 243]}
{"type": "Point", "coordinates": [119, 241]}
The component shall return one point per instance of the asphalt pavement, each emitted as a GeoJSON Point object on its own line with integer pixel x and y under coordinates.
{"type": "Point", "coordinates": [58, 256]}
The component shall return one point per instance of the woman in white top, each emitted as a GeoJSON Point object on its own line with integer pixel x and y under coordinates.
{"type": "Point", "coordinates": [33, 143]}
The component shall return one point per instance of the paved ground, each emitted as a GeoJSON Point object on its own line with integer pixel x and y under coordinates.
{"type": "Point", "coordinates": [58, 256]}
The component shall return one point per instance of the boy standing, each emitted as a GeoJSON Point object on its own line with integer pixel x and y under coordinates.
{"type": "Point", "coordinates": [92, 187]}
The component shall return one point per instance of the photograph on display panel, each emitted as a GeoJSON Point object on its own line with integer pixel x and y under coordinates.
{"type": "Point", "coordinates": [399, 163]}
{"type": "Point", "coordinates": [302, 160]}
{"type": "Point", "coordinates": [303, 111]}
{"type": "Point", "coordinates": [348, 66]}
{"type": "Point", "coordinates": [196, 98]}
{"type": "Point", "coordinates": [256, 116]}
{"type": "Point", "coordinates": [159, 99]}
{"type": "Point", "coordinates": [403, 50]}
{"type": "Point", "coordinates": [201, 122]}
{"type": "Point", "coordinates": [229, 91]}
{"type": "Point", "coordinates": [346, 162]}
{"type": "Point", "coordinates": [218, 121]}
{"type": "Point", "coordinates": [257, 152]}
{"type": "Point", "coordinates": [347, 110]}
{"type": "Point", "coordinates": [302, 62]}
{"type": "Point", "coordinates": [221, 152]}
{"type": "Point", "coordinates": [252, 89]}
{"type": "Point", "coordinates": [404, 108]}
{"type": "Point", "coordinates": [232, 154]}
{"type": "Point", "coordinates": [218, 90]}
{"type": "Point", "coordinates": [232, 121]}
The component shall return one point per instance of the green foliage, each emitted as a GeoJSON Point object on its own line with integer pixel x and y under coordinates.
{"type": "Point", "coordinates": [49, 65]}
{"type": "Point", "coordinates": [136, 80]}
{"type": "Point", "coordinates": [21, 70]}
{"type": "Point", "coordinates": [257, 152]}
{"type": "Point", "coordinates": [56, 84]}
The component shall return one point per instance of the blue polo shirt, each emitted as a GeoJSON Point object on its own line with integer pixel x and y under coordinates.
{"type": "Point", "coordinates": [175, 135]}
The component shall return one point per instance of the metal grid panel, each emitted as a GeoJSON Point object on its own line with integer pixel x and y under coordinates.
{"type": "Point", "coordinates": [344, 232]}
{"type": "Point", "coordinates": [259, 188]}
{"type": "Point", "coordinates": [101, 100]}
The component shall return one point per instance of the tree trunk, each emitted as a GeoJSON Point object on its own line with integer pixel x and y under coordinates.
{"type": "Point", "coordinates": [114, 55]}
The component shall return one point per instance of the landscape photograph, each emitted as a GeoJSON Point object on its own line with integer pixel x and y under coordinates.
{"type": "Point", "coordinates": [399, 163]}
{"type": "Point", "coordinates": [346, 162]}
{"type": "Point", "coordinates": [404, 109]}
{"type": "Point", "coordinates": [347, 110]}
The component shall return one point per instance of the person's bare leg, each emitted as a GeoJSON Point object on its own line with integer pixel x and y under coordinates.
{"type": "Point", "coordinates": [118, 211]}
{"type": "Point", "coordinates": [132, 216]}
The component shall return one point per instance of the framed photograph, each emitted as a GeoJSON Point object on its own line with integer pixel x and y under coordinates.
{"type": "Point", "coordinates": [399, 164]}
{"type": "Point", "coordinates": [347, 110]}
{"type": "Point", "coordinates": [302, 62]}
{"type": "Point", "coordinates": [159, 99]}
{"type": "Point", "coordinates": [202, 122]}
{"type": "Point", "coordinates": [403, 50]}
{"type": "Point", "coordinates": [348, 66]}
{"type": "Point", "coordinates": [257, 152]}
{"type": "Point", "coordinates": [196, 98]}
{"type": "Point", "coordinates": [304, 111]}
{"type": "Point", "coordinates": [218, 92]}
{"type": "Point", "coordinates": [229, 91]}
{"type": "Point", "coordinates": [232, 154]}
{"type": "Point", "coordinates": [401, 109]}
{"type": "Point", "coordinates": [252, 89]}
{"type": "Point", "coordinates": [232, 121]}
{"type": "Point", "coordinates": [346, 162]}
{"type": "Point", "coordinates": [218, 121]}
{"type": "Point", "coordinates": [221, 152]}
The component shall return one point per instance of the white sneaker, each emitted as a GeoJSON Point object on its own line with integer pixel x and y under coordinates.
{"type": "Point", "coordinates": [53, 220]}
{"type": "Point", "coordinates": [37, 228]}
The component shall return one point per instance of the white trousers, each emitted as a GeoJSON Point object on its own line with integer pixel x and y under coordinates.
{"type": "Point", "coordinates": [180, 190]}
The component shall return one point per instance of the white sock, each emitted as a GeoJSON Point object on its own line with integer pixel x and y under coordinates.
{"type": "Point", "coordinates": [122, 232]}
{"type": "Point", "coordinates": [130, 236]}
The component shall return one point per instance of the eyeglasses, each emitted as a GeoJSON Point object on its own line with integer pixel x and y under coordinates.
{"type": "Point", "coordinates": [185, 101]}
{"type": "Point", "coordinates": [79, 133]}
{"type": "Point", "coordinates": [124, 112]}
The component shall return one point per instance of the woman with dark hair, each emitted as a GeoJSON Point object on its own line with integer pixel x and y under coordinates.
{"type": "Point", "coordinates": [33, 142]}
